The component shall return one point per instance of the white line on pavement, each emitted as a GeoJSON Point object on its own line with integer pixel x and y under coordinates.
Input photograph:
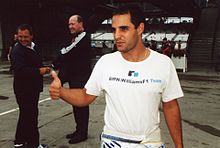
{"type": "Point", "coordinates": [16, 109]}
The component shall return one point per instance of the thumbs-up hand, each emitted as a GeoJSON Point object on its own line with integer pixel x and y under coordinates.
{"type": "Point", "coordinates": [55, 86]}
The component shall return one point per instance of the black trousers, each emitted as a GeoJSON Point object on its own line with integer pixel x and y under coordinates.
{"type": "Point", "coordinates": [27, 125]}
{"type": "Point", "coordinates": [81, 114]}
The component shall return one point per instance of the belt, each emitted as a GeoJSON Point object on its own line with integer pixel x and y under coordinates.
{"type": "Point", "coordinates": [119, 139]}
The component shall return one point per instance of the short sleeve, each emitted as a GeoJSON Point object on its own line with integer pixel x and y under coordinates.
{"type": "Point", "coordinates": [93, 85]}
{"type": "Point", "coordinates": [172, 89]}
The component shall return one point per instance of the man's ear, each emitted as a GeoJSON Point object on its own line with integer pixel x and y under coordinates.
{"type": "Point", "coordinates": [140, 28]}
{"type": "Point", "coordinates": [32, 37]}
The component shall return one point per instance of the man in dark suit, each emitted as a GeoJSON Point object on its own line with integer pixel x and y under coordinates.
{"type": "Point", "coordinates": [28, 83]}
{"type": "Point", "coordinates": [74, 64]}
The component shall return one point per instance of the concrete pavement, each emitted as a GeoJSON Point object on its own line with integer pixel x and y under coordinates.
{"type": "Point", "coordinates": [200, 109]}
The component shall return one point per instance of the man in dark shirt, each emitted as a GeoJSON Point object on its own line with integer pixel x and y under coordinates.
{"type": "Point", "coordinates": [74, 64]}
{"type": "Point", "coordinates": [28, 83]}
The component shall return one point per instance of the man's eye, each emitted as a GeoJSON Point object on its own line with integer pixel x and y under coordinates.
{"type": "Point", "coordinates": [124, 28]}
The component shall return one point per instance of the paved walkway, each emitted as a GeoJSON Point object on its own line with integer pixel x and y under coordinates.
{"type": "Point", "coordinates": [200, 113]}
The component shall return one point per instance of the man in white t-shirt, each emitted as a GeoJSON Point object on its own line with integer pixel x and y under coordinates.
{"type": "Point", "coordinates": [135, 80]}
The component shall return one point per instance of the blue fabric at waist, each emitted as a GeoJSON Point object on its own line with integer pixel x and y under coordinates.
{"type": "Point", "coordinates": [119, 139]}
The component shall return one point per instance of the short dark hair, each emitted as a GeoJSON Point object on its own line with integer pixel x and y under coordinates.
{"type": "Point", "coordinates": [136, 13]}
{"type": "Point", "coordinates": [25, 27]}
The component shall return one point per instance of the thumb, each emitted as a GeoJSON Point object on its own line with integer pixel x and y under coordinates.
{"type": "Point", "coordinates": [55, 86]}
{"type": "Point", "coordinates": [54, 75]}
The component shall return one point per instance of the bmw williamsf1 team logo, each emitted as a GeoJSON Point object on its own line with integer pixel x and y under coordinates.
{"type": "Point", "coordinates": [132, 73]}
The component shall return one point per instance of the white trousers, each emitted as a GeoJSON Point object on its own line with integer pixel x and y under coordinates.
{"type": "Point", "coordinates": [108, 143]}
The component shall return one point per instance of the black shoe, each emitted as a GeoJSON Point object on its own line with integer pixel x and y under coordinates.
{"type": "Point", "coordinates": [70, 136]}
{"type": "Point", "coordinates": [77, 138]}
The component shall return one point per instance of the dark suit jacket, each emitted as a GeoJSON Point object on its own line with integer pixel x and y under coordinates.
{"type": "Point", "coordinates": [26, 63]}
{"type": "Point", "coordinates": [76, 64]}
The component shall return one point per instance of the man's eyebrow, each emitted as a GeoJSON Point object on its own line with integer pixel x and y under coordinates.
{"type": "Point", "coordinates": [123, 27]}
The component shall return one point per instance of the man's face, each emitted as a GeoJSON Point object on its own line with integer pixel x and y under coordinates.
{"type": "Point", "coordinates": [74, 26]}
{"type": "Point", "coordinates": [124, 32]}
{"type": "Point", "coordinates": [24, 37]}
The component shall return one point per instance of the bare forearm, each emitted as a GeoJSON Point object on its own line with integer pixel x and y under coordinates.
{"type": "Point", "coordinates": [173, 120]}
{"type": "Point", "coordinates": [77, 97]}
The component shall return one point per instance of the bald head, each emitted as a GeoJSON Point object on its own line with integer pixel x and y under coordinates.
{"type": "Point", "coordinates": [76, 24]}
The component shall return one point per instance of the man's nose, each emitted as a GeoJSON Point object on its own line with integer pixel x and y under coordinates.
{"type": "Point", "coordinates": [117, 34]}
{"type": "Point", "coordinates": [22, 38]}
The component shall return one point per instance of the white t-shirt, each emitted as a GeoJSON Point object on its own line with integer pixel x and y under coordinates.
{"type": "Point", "coordinates": [133, 92]}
